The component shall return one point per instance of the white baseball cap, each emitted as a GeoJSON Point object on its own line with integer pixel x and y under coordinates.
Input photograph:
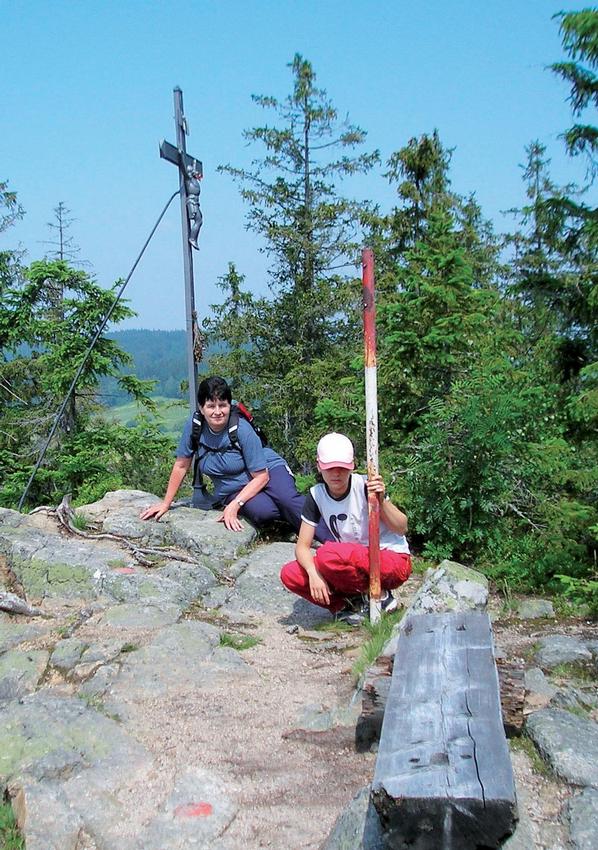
{"type": "Point", "coordinates": [335, 450]}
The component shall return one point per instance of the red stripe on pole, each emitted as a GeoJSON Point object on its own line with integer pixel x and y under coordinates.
{"type": "Point", "coordinates": [371, 405]}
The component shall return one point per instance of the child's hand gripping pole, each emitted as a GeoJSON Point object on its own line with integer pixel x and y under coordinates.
{"type": "Point", "coordinates": [371, 409]}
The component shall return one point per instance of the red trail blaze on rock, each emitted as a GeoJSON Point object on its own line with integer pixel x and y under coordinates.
{"type": "Point", "coordinates": [193, 810]}
{"type": "Point", "coordinates": [125, 570]}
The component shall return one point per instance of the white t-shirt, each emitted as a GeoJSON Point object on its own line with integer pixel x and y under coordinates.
{"type": "Point", "coordinates": [347, 517]}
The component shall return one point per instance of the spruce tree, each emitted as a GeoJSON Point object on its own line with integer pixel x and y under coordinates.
{"type": "Point", "coordinates": [300, 339]}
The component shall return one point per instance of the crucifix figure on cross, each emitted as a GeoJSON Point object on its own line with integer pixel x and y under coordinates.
{"type": "Point", "coordinates": [193, 186]}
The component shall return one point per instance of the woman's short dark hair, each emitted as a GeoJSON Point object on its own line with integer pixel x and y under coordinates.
{"type": "Point", "coordinates": [213, 389]}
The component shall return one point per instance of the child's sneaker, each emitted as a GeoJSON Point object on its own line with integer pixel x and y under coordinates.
{"type": "Point", "coordinates": [388, 602]}
{"type": "Point", "coordinates": [354, 612]}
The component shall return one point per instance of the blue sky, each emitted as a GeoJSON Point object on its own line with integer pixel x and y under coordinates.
{"type": "Point", "coordinates": [87, 95]}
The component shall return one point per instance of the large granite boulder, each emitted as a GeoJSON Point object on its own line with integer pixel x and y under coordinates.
{"type": "Point", "coordinates": [49, 563]}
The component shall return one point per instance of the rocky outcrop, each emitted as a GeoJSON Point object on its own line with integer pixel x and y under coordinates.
{"type": "Point", "coordinates": [68, 752]}
{"type": "Point", "coordinates": [130, 634]}
{"type": "Point", "coordinates": [101, 564]}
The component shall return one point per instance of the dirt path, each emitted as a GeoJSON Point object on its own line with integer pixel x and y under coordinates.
{"type": "Point", "coordinates": [289, 782]}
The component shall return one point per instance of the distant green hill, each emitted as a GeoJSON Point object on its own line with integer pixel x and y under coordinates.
{"type": "Point", "coordinates": [171, 414]}
{"type": "Point", "coordinates": [160, 356]}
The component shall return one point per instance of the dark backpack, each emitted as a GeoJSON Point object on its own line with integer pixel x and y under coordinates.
{"type": "Point", "coordinates": [237, 410]}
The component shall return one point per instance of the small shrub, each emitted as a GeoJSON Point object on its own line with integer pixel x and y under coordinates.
{"type": "Point", "coordinates": [581, 592]}
{"type": "Point", "coordinates": [420, 565]}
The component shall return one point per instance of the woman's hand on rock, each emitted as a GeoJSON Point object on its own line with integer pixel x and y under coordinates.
{"type": "Point", "coordinates": [156, 511]}
{"type": "Point", "coordinates": [229, 517]}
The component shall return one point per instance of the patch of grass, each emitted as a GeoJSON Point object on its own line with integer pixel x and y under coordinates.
{"type": "Point", "coordinates": [509, 603]}
{"type": "Point", "coordinates": [129, 647]}
{"type": "Point", "coordinates": [580, 711]}
{"type": "Point", "coordinates": [529, 652]}
{"type": "Point", "coordinates": [66, 630]}
{"type": "Point", "coordinates": [567, 608]}
{"type": "Point", "coordinates": [420, 565]}
{"type": "Point", "coordinates": [579, 672]}
{"type": "Point", "coordinates": [93, 701]}
{"type": "Point", "coordinates": [524, 744]}
{"type": "Point", "coordinates": [238, 642]}
{"type": "Point", "coordinates": [379, 635]}
{"type": "Point", "coordinates": [10, 838]}
{"type": "Point", "coordinates": [80, 522]}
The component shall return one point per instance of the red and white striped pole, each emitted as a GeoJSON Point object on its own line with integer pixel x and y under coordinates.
{"type": "Point", "coordinates": [371, 411]}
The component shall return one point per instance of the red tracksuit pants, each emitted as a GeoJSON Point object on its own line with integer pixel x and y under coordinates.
{"type": "Point", "coordinates": [345, 567]}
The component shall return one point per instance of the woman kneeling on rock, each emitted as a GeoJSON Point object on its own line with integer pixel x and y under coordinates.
{"type": "Point", "coordinates": [250, 480]}
{"type": "Point", "coordinates": [336, 576]}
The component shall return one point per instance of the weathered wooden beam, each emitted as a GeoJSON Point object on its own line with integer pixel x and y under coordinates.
{"type": "Point", "coordinates": [443, 778]}
{"type": "Point", "coordinates": [376, 685]}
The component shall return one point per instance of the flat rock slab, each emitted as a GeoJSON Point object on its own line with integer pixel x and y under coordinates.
{"type": "Point", "coordinates": [137, 616]}
{"type": "Point", "coordinates": [182, 657]}
{"type": "Point", "coordinates": [259, 590]}
{"type": "Point", "coordinates": [78, 660]}
{"type": "Point", "coordinates": [561, 649]}
{"type": "Point", "coordinates": [451, 587]}
{"type": "Point", "coordinates": [574, 699]}
{"type": "Point", "coordinates": [13, 632]}
{"type": "Point", "coordinates": [568, 743]}
{"type": "Point", "coordinates": [537, 683]}
{"type": "Point", "coordinates": [50, 564]}
{"type": "Point", "coordinates": [196, 813]}
{"type": "Point", "coordinates": [132, 583]}
{"type": "Point", "coordinates": [48, 737]}
{"type": "Point", "coordinates": [582, 812]}
{"type": "Point", "coordinates": [443, 773]}
{"type": "Point", "coordinates": [534, 609]}
{"type": "Point", "coordinates": [77, 765]}
{"type": "Point", "coordinates": [20, 672]}
{"type": "Point", "coordinates": [44, 816]}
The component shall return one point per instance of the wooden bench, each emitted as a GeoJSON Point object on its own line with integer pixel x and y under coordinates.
{"type": "Point", "coordinates": [443, 778]}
